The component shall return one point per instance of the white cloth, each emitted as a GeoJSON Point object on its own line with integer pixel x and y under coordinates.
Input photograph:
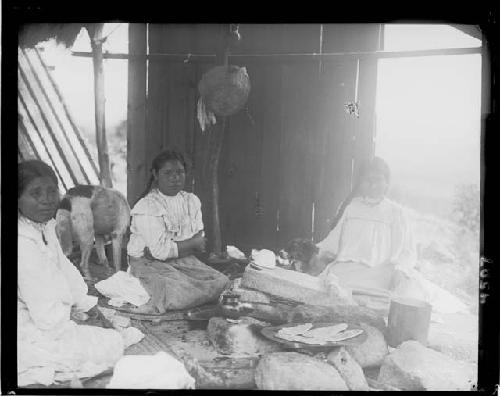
{"type": "Point", "coordinates": [264, 258]}
{"type": "Point", "coordinates": [372, 234]}
{"type": "Point", "coordinates": [49, 288]}
{"type": "Point", "coordinates": [123, 287]}
{"type": "Point", "coordinates": [160, 371]}
{"type": "Point", "coordinates": [131, 335]}
{"type": "Point", "coordinates": [159, 220]}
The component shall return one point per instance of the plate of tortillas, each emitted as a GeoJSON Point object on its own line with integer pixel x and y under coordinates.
{"type": "Point", "coordinates": [315, 335]}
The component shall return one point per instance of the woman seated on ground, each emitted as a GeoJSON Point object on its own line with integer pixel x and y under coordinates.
{"type": "Point", "coordinates": [371, 245]}
{"type": "Point", "coordinates": [57, 333]}
{"type": "Point", "coordinates": [166, 233]}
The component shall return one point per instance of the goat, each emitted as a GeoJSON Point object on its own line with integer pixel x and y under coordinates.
{"type": "Point", "coordinates": [89, 213]}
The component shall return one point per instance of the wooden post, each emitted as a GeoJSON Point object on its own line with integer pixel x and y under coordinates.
{"type": "Point", "coordinates": [214, 157]}
{"type": "Point", "coordinates": [95, 33]}
{"type": "Point", "coordinates": [137, 170]}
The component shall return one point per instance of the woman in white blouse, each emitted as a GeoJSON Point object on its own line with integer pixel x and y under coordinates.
{"type": "Point", "coordinates": [166, 233]}
{"type": "Point", "coordinates": [371, 245]}
{"type": "Point", "coordinates": [56, 336]}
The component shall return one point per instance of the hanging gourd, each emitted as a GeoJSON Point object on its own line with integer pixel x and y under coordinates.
{"type": "Point", "coordinates": [223, 91]}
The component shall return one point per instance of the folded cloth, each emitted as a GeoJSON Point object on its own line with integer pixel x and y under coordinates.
{"type": "Point", "coordinates": [122, 286]}
{"type": "Point", "coordinates": [131, 336]}
{"type": "Point", "coordinates": [264, 258]}
{"type": "Point", "coordinates": [36, 375]}
{"type": "Point", "coordinates": [234, 252]}
{"type": "Point", "coordinates": [160, 371]}
{"type": "Point", "coordinates": [116, 302]}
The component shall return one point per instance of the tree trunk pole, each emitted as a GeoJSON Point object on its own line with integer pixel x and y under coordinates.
{"type": "Point", "coordinates": [218, 139]}
{"type": "Point", "coordinates": [217, 149]}
{"type": "Point", "coordinates": [99, 103]}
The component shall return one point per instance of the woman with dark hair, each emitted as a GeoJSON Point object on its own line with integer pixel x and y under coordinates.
{"type": "Point", "coordinates": [166, 232]}
{"type": "Point", "coordinates": [371, 245]}
{"type": "Point", "coordinates": [57, 337]}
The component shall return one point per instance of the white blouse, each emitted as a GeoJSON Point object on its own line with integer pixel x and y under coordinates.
{"type": "Point", "coordinates": [50, 345]}
{"type": "Point", "coordinates": [159, 221]}
{"type": "Point", "coordinates": [372, 234]}
{"type": "Point", "coordinates": [49, 285]}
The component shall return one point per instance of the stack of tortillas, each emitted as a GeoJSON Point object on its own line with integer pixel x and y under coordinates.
{"type": "Point", "coordinates": [318, 336]}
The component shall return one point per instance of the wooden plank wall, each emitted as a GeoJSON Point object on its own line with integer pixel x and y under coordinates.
{"type": "Point", "coordinates": [289, 150]}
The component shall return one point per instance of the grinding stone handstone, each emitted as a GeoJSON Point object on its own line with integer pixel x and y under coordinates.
{"type": "Point", "coordinates": [293, 285]}
{"type": "Point", "coordinates": [296, 371]}
{"type": "Point", "coordinates": [349, 369]}
{"type": "Point", "coordinates": [252, 296]}
{"type": "Point", "coordinates": [413, 367]}
{"type": "Point", "coordinates": [242, 338]}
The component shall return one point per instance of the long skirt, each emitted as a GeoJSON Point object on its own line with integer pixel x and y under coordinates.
{"type": "Point", "coordinates": [77, 350]}
{"type": "Point", "coordinates": [178, 283]}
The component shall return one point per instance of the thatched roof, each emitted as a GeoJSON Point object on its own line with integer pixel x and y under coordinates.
{"type": "Point", "coordinates": [65, 33]}
{"type": "Point", "coordinates": [471, 30]}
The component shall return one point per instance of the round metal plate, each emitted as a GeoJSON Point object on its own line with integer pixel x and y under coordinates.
{"type": "Point", "coordinates": [270, 333]}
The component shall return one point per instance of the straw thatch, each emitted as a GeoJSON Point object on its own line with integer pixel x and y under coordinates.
{"type": "Point", "coordinates": [31, 35]}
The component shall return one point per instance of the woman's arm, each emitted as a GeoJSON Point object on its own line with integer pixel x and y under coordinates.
{"type": "Point", "coordinates": [159, 240]}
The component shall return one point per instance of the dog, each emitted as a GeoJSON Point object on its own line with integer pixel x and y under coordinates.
{"type": "Point", "coordinates": [299, 253]}
{"type": "Point", "coordinates": [90, 213]}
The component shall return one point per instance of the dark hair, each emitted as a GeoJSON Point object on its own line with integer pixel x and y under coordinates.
{"type": "Point", "coordinates": [376, 164]}
{"type": "Point", "coordinates": [29, 170]}
{"type": "Point", "coordinates": [157, 164]}
{"type": "Point", "coordinates": [301, 249]}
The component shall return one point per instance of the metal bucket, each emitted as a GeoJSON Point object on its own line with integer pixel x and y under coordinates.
{"type": "Point", "coordinates": [409, 319]}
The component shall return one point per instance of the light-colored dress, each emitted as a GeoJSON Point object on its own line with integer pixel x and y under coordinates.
{"type": "Point", "coordinates": [50, 345]}
{"type": "Point", "coordinates": [158, 222]}
{"type": "Point", "coordinates": [370, 241]}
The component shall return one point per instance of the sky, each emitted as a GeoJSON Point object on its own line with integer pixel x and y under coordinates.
{"type": "Point", "coordinates": [428, 110]}
{"type": "Point", "coordinates": [74, 76]}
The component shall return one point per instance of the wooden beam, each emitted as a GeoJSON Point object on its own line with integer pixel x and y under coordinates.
{"type": "Point", "coordinates": [100, 101]}
{"type": "Point", "coordinates": [137, 172]}
{"type": "Point", "coordinates": [54, 113]}
{"type": "Point", "coordinates": [287, 57]}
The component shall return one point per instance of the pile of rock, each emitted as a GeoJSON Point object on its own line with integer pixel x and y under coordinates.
{"type": "Point", "coordinates": [281, 297]}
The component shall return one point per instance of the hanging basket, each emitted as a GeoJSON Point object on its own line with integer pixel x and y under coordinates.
{"type": "Point", "coordinates": [225, 89]}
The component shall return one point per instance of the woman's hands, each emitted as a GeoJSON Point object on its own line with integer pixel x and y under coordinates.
{"type": "Point", "coordinates": [198, 241]}
{"type": "Point", "coordinates": [93, 317]}
{"type": "Point", "coordinates": [195, 244]}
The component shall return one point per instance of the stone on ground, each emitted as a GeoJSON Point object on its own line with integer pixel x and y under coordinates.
{"type": "Point", "coordinates": [350, 371]}
{"type": "Point", "coordinates": [413, 367]}
{"type": "Point", "coordinates": [241, 338]}
{"type": "Point", "coordinates": [372, 351]}
{"type": "Point", "coordinates": [296, 371]}
{"type": "Point", "coordinates": [456, 336]}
